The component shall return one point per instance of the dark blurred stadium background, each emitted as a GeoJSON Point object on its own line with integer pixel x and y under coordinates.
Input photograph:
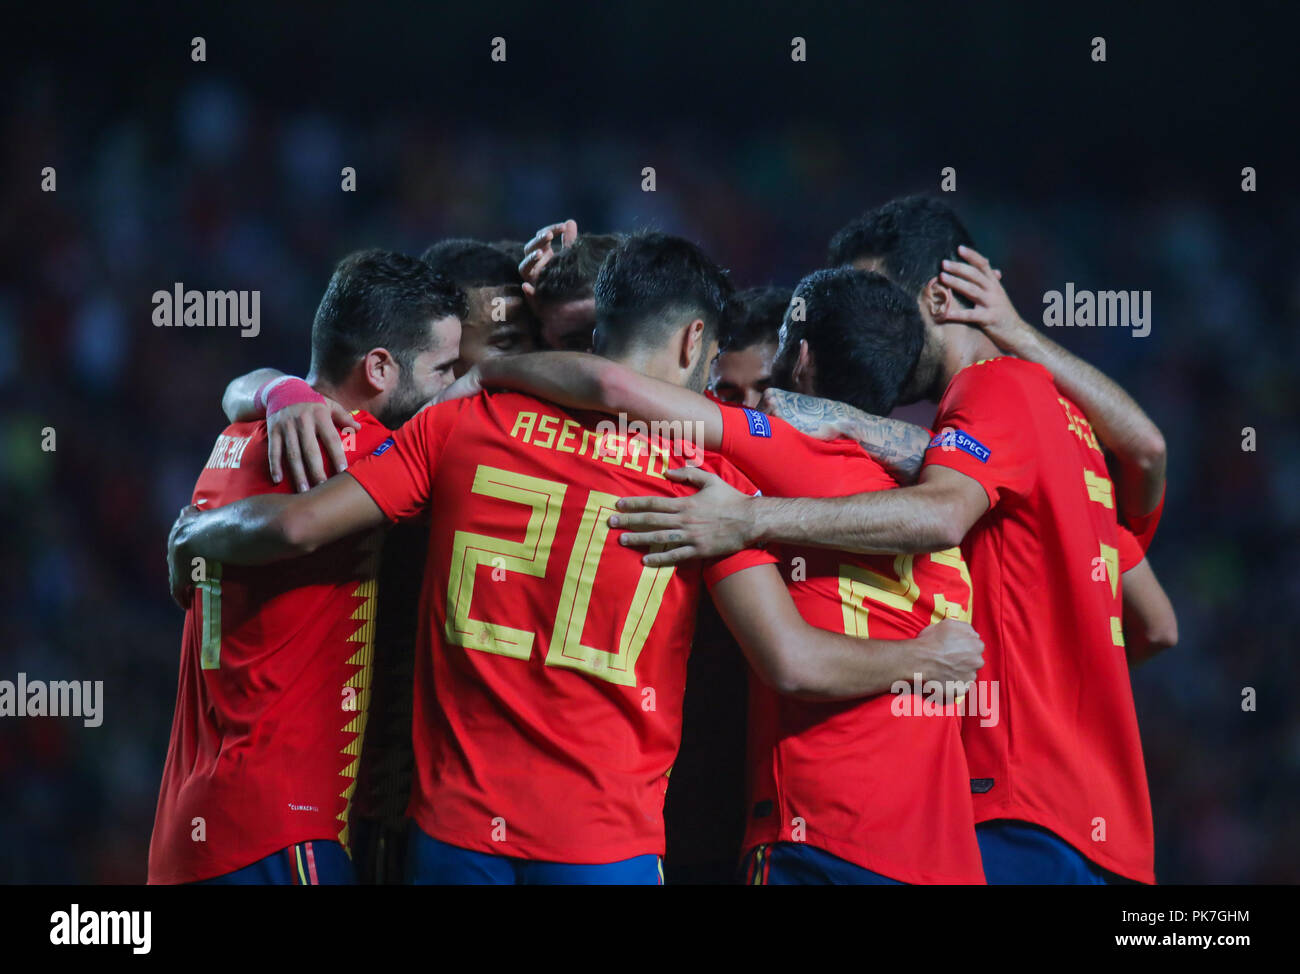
{"type": "Point", "coordinates": [226, 175]}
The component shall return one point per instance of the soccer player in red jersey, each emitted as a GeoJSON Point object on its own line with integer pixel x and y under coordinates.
{"type": "Point", "coordinates": [499, 320]}
{"type": "Point", "coordinates": [864, 791]}
{"type": "Point", "coordinates": [1015, 475]}
{"type": "Point", "coordinates": [273, 692]}
{"type": "Point", "coordinates": [742, 370]}
{"type": "Point", "coordinates": [559, 284]}
{"type": "Point", "coordinates": [550, 672]}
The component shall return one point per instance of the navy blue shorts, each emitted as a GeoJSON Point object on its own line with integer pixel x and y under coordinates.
{"type": "Point", "coordinates": [316, 863]}
{"type": "Point", "coordinates": [1018, 853]}
{"type": "Point", "coordinates": [800, 864]}
{"type": "Point", "coordinates": [430, 862]}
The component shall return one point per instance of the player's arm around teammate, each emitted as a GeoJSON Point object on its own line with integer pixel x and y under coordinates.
{"type": "Point", "coordinates": [790, 655]}
{"type": "Point", "coordinates": [302, 426]}
{"type": "Point", "coordinates": [1120, 423]}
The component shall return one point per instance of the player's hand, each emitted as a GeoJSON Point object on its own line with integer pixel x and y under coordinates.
{"type": "Point", "coordinates": [469, 384]}
{"type": "Point", "coordinates": [715, 520]}
{"type": "Point", "coordinates": [974, 279]}
{"type": "Point", "coordinates": [951, 653]}
{"type": "Point", "coordinates": [178, 561]}
{"type": "Point", "coordinates": [296, 435]}
{"type": "Point", "coordinates": [808, 414]}
{"type": "Point", "coordinates": [538, 252]}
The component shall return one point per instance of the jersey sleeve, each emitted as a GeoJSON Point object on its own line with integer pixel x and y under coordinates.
{"type": "Point", "coordinates": [980, 432]}
{"type": "Point", "coordinates": [766, 447]}
{"type": "Point", "coordinates": [716, 569]}
{"type": "Point", "coordinates": [1144, 527]}
{"type": "Point", "coordinates": [1130, 550]}
{"type": "Point", "coordinates": [398, 473]}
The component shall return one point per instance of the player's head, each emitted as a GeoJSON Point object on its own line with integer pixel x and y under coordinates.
{"type": "Point", "coordinates": [852, 336]}
{"type": "Point", "coordinates": [742, 368]}
{"type": "Point", "coordinates": [498, 321]}
{"type": "Point", "coordinates": [565, 294]}
{"type": "Point", "coordinates": [387, 330]}
{"type": "Point", "coordinates": [907, 240]}
{"type": "Point", "coordinates": [660, 306]}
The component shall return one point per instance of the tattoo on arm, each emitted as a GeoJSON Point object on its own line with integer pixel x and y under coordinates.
{"type": "Point", "coordinates": [897, 445]}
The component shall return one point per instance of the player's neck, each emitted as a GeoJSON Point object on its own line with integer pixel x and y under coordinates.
{"type": "Point", "coordinates": [965, 346]}
{"type": "Point", "coordinates": [349, 399]}
{"type": "Point", "coordinates": [655, 364]}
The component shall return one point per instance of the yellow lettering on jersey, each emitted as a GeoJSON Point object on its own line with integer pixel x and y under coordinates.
{"type": "Point", "coordinates": [528, 556]}
{"type": "Point", "coordinates": [546, 425]}
{"type": "Point", "coordinates": [210, 645]}
{"type": "Point", "coordinates": [567, 434]}
{"type": "Point", "coordinates": [548, 432]}
{"type": "Point", "coordinates": [943, 609]}
{"type": "Point", "coordinates": [1078, 425]}
{"type": "Point", "coordinates": [857, 584]}
{"type": "Point", "coordinates": [524, 421]}
{"type": "Point", "coordinates": [1111, 557]}
{"type": "Point", "coordinates": [611, 449]}
{"type": "Point", "coordinates": [575, 599]}
{"type": "Point", "coordinates": [1100, 489]}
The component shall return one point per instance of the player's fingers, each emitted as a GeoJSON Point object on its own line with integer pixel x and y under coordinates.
{"type": "Point", "coordinates": [648, 539]}
{"type": "Point", "coordinates": [965, 316]}
{"type": "Point", "coordinates": [549, 232]}
{"type": "Point", "coordinates": [673, 556]}
{"type": "Point", "coordinates": [293, 460]}
{"type": "Point", "coordinates": [329, 438]}
{"type": "Point", "coordinates": [966, 271]}
{"type": "Point", "coordinates": [962, 287]}
{"type": "Point", "coordinates": [274, 451]}
{"type": "Point", "coordinates": [644, 522]}
{"type": "Point", "coordinates": [340, 416]}
{"type": "Point", "coordinates": [310, 448]}
{"type": "Point", "coordinates": [646, 505]}
{"type": "Point", "coordinates": [569, 231]}
{"type": "Point", "coordinates": [696, 476]}
{"type": "Point", "coordinates": [529, 290]}
{"type": "Point", "coordinates": [532, 260]}
{"type": "Point", "coordinates": [976, 258]}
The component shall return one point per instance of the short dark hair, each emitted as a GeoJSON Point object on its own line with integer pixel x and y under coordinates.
{"type": "Point", "coordinates": [754, 318]}
{"type": "Point", "coordinates": [647, 282]}
{"type": "Point", "coordinates": [378, 299]}
{"type": "Point", "coordinates": [864, 332]}
{"type": "Point", "coordinates": [571, 274]}
{"type": "Point", "coordinates": [911, 236]}
{"type": "Point", "coordinates": [514, 249]}
{"type": "Point", "coordinates": [472, 263]}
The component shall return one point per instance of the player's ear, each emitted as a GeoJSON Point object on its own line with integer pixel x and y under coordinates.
{"type": "Point", "coordinates": [692, 343]}
{"type": "Point", "coordinates": [803, 366]}
{"type": "Point", "coordinates": [380, 369]}
{"type": "Point", "coordinates": [937, 300]}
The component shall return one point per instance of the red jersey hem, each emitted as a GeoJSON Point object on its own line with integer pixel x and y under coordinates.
{"type": "Point", "coordinates": [1019, 813]}
{"type": "Point", "coordinates": [198, 874]}
{"type": "Point", "coordinates": [589, 855]}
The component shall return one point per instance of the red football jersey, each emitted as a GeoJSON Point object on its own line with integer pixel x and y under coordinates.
{"type": "Point", "coordinates": [1143, 528]}
{"type": "Point", "coordinates": [551, 665]}
{"type": "Point", "coordinates": [273, 691]}
{"type": "Point", "coordinates": [1065, 753]}
{"type": "Point", "coordinates": [881, 782]}
{"type": "Point", "coordinates": [1130, 551]}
